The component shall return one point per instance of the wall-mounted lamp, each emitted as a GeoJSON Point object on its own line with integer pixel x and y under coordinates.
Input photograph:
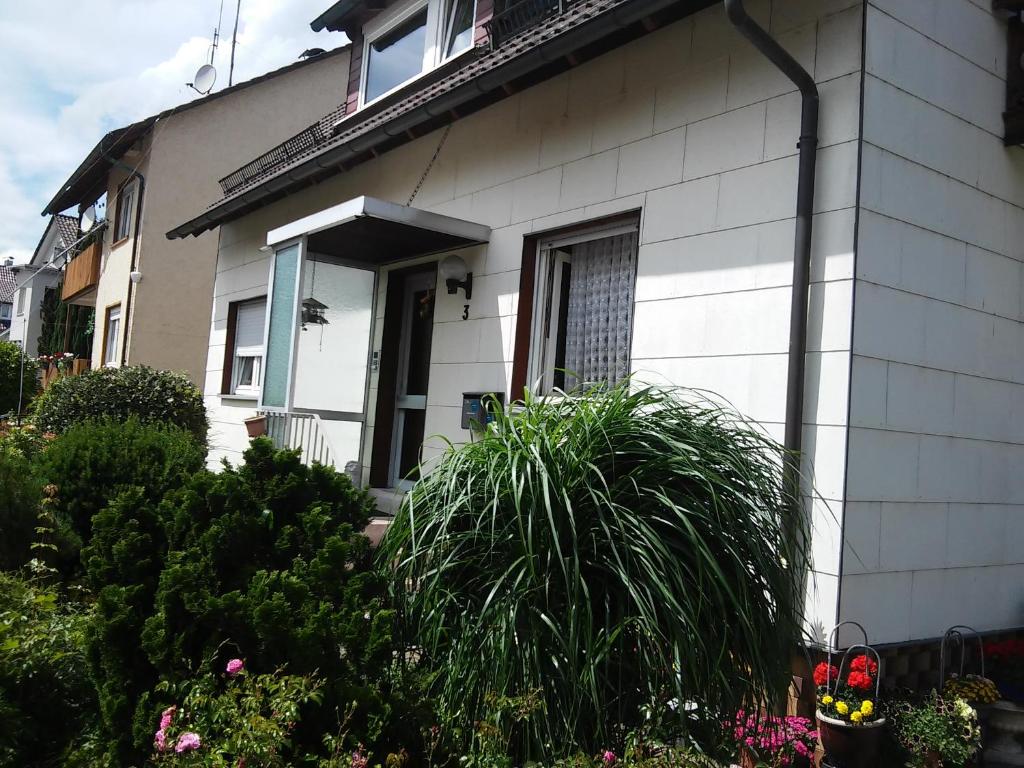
{"type": "Point", "coordinates": [456, 275]}
{"type": "Point", "coordinates": [135, 276]}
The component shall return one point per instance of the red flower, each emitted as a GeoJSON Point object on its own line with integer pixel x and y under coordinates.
{"type": "Point", "coordinates": [824, 674]}
{"type": "Point", "coordinates": [859, 680]}
{"type": "Point", "coordinates": [864, 663]}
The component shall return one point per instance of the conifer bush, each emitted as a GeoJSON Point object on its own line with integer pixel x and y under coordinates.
{"type": "Point", "coordinates": [91, 461]}
{"type": "Point", "coordinates": [12, 370]}
{"type": "Point", "coordinates": [151, 396]}
{"type": "Point", "coordinates": [264, 561]}
{"type": "Point", "coordinates": [20, 492]}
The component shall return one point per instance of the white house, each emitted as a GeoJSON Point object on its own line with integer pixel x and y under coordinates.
{"type": "Point", "coordinates": [637, 161]}
{"type": "Point", "coordinates": [41, 274]}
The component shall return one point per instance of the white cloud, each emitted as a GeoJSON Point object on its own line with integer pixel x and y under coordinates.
{"type": "Point", "coordinates": [74, 71]}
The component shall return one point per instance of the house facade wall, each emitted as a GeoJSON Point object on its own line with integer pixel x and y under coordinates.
{"type": "Point", "coordinates": [26, 327]}
{"type": "Point", "coordinates": [692, 127]}
{"type": "Point", "coordinates": [183, 158]}
{"type": "Point", "coordinates": [116, 259]}
{"type": "Point", "coordinates": [934, 526]}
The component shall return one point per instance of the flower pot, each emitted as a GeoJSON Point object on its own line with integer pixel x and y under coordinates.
{"type": "Point", "coordinates": [1006, 723]}
{"type": "Point", "coordinates": [256, 426]}
{"type": "Point", "coordinates": [850, 746]}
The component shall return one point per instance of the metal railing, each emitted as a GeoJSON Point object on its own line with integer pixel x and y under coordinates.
{"type": "Point", "coordinates": [283, 153]}
{"type": "Point", "coordinates": [515, 17]}
{"type": "Point", "coordinates": [300, 430]}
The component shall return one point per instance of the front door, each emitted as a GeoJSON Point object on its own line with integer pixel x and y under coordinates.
{"type": "Point", "coordinates": [413, 372]}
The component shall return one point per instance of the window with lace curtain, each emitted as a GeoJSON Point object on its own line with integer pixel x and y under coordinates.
{"type": "Point", "coordinates": [582, 313]}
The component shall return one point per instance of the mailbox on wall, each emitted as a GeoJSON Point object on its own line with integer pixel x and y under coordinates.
{"type": "Point", "coordinates": [477, 408]}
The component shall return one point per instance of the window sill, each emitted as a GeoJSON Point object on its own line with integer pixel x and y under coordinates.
{"type": "Point", "coordinates": [401, 87]}
{"type": "Point", "coordinates": [243, 398]}
{"type": "Point", "coordinates": [120, 242]}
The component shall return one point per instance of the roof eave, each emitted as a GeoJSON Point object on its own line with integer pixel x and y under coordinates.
{"type": "Point", "coordinates": [554, 48]}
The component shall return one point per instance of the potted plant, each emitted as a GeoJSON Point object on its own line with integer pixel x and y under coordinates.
{"type": "Point", "coordinates": [773, 742]}
{"type": "Point", "coordinates": [256, 425]}
{"type": "Point", "coordinates": [850, 725]}
{"type": "Point", "coordinates": [937, 732]}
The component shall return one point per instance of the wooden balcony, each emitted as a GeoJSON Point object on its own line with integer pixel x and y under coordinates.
{"type": "Point", "coordinates": [81, 276]}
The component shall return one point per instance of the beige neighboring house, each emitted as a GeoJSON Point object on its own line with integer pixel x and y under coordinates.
{"type": "Point", "coordinates": [153, 295]}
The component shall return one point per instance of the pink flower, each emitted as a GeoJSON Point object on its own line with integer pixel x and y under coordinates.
{"type": "Point", "coordinates": [235, 666]}
{"type": "Point", "coordinates": [608, 757]}
{"type": "Point", "coordinates": [166, 716]}
{"type": "Point", "coordinates": [187, 742]}
{"type": "Point", "coordinates": [160, 740]}
{"type": "Point", "coordinates": [359, 760]}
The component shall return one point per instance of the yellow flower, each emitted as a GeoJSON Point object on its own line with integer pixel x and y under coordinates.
{"type": "Point", "coordinates": [842, 708]}
{"type": "Point", "coordinates": [826, 699]}
{"type": "Point", "coordinates": [856, 717]}
{"type": "Point", "coordinates": [867, 707]}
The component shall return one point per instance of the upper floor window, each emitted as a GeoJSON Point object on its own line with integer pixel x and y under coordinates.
{"type": "Point", "coordinates": [21, 300]}
{"type": "Point", "coordinates": [405, 45]}
{"type": "Point", "coordinates": [123, 220]}
{"type": "Point", "coordinates": [5, 311]}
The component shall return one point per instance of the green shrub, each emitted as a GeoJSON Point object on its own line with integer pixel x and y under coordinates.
{"type": "Point", "coordinates": [622, 553]}
{"type": "Point", "coordinates": [93, 460]}
{"type": "Point", "coordinates": [264, 561]}
{"type": "Point", "coordinates": [46, 701]}
{"type": "Point", "coordinates": [233, 719]}
{"type": "Point", "coordinates": [20, 492]}
{"type": "Point", "coordinates": [12, 368]}
{"type": "Point", "coordinates": [121, 393]}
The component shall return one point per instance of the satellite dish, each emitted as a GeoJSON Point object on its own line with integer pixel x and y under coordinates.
{"type": "Point", "coordinates": [88, 218]}
{"type": "Point", "coordinates": [205, 77]}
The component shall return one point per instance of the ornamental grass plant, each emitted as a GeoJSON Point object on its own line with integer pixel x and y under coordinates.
{"type": "Point", "coordinates": [631, 554]}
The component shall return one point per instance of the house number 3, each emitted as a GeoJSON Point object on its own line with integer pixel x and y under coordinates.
{"type": "Point", "coordinates": [465, 311]}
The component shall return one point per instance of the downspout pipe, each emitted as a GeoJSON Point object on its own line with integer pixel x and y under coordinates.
{"type": "Point", "coordinates": [808, 146]}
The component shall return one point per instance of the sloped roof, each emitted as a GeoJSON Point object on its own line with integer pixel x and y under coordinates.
{"type": "Point", "coordinates": [67, 229]}
{"type": "Point", "coordinates": [86, 181]}
{"type": "Point", "coordinates": [8, 285]}
{"type": "Point", "coordinates": [337, 139]}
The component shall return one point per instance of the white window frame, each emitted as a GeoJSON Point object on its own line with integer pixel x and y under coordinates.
{"type": "Point", "coordinates": [21, 300]}
{"type": "Point", "coordinates": [130, 189]}
{"type": "Point", "coordinates": [433, 56]}
{"type": "Point", "coordinates": [6, 310]}
{"type": "Point", "coordinates": [111, 340]}
{"type": "Point", "coordinates": [256, 351]}
{"type": "Point", "coordinates": [551, 254]}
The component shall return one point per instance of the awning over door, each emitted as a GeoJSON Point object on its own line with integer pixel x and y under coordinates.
{"type": "Point", "coordinates": [377, 232]}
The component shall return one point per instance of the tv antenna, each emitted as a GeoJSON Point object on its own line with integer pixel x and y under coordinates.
{"type": "Point", "coordinates": [206, 75]}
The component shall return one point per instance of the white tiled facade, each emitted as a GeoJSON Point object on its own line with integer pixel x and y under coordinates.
{"type": "Point", "coordinates": [935, 491]}
{"type": "Point", "coordinates": [694, 128]}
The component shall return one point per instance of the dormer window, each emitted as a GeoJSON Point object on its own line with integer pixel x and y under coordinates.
{"type": "Point", "coordinates": [417, 39]}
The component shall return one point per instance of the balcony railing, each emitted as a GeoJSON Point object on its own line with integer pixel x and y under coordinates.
{"type": "Point", "coordinates": [511, 18]}
{"type": "Point", "coordinates": [300, 430]}
{"type": "Point", "coordinates": [82, 273]}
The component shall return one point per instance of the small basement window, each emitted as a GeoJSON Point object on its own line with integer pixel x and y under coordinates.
{"type": "Point", "coordinates": [581, 324]}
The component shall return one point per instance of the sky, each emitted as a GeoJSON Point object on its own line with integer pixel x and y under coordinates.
{"type": "Point", "coordinates": [74, 70]}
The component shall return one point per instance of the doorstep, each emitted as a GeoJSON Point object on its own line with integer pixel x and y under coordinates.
{"type": "Point", "coordinates": [388, 501]}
